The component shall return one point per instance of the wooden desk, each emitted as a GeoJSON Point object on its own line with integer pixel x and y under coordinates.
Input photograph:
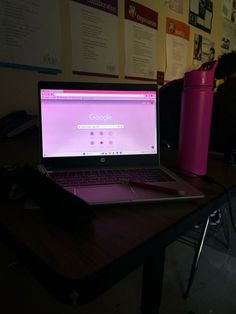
{"type": "Point", "coordinates": [78, 267]}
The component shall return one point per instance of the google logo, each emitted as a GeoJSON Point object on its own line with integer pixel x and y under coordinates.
{"type": "Point", "coordinates": [100, 117]}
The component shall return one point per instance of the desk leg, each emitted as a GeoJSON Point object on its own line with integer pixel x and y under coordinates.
{"type": "Point", "coordinates": [153, 270]}
{"type": "Point", "coordinates": [3, 271]}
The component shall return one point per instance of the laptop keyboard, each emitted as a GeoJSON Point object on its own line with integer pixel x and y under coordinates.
{"type": "Point", "coordinates": [96, 177]}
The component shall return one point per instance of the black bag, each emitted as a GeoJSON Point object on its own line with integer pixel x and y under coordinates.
{"type": "Point", "coordinates": [59, 205]}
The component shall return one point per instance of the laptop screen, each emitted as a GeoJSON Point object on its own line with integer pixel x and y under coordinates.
{"type": "Point", "coordinates": [77, 122]}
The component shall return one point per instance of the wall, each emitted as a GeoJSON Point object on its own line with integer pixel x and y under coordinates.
{"type": "Point", "coordinates": [19, 87]}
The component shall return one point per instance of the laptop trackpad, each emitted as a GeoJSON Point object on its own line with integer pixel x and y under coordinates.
{"type": "Point", "coordinates": [105, 193]}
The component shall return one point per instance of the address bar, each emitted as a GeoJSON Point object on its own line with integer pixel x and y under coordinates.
{"type": "Point", "coordinates": [99, 95]}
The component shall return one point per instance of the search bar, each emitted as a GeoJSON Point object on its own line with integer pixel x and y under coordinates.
{"type": "Point", "coordinates": [99, 126]}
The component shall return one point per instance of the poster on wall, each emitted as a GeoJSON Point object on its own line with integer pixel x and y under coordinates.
{"type": "Point", "coordinates": [94, 35]}
{"type": "Point", "coordinates": [141, 24]}
{"type": "Point", "coordinates": [177, 46]}
{"type": "Point", "coordinates": [30, 37]}
{"type": "Point", "coordinates": [228, 41]}
{"type": "Point", "coordinates": [229, 10]}
{"type": "Point", "coordinates": [175, 5]}
{"type": "Point", "coordinates": [201, 13]}
{"type": "Point", "coordinates": [204, 50]}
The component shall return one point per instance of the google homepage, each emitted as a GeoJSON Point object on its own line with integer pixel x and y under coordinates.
{"type": "Point", "coordinates": [95, 123]}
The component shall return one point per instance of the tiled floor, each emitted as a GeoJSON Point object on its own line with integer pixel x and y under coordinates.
{"type": "Point", "coordinates": [213, 291]}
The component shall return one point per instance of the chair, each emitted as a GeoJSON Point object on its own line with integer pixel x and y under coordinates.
{"type": "Point", "coordinates": [205, 230]}
{"type": "Point", "coordinates": [169, 112]}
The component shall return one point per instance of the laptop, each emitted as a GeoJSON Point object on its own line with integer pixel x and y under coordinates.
{"type": "Point", "coordinates": [100, 141]}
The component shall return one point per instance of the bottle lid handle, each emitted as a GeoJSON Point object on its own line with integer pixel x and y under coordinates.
{"type": "Point", "coordinates": [211, 65]}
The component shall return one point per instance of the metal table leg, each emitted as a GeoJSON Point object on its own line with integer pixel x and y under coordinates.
{"type": "Point", "coordinates": [153, 270]}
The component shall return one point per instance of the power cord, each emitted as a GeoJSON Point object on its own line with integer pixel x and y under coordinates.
{"type": "Point", "coordinates": [211, 180]}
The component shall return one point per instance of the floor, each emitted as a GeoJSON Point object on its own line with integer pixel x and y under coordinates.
{"type": "Point", "coordinates": [213, 291]}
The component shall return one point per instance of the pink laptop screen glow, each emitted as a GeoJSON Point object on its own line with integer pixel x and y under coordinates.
{"type": "Point", "coordinates": [94, 123]}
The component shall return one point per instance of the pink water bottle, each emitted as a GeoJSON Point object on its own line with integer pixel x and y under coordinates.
{"type": "Point", "coordinates": [195, 119]}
